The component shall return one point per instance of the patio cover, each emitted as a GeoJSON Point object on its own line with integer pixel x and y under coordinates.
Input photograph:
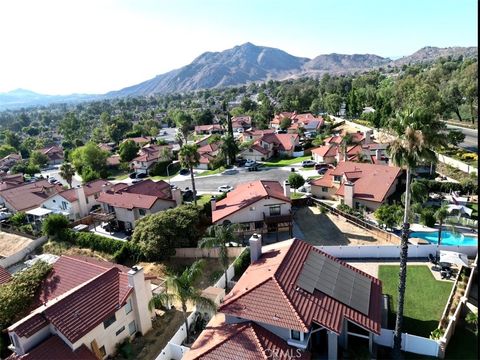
{"type": "Point", "coordinates": [460, 208]}
{"type": "Point", "coordinates": [453, 257]}
{"type": "Point", "coordinates": [40, 212]}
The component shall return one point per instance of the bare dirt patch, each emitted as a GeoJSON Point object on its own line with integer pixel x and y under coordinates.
{"type": "Point", "coordinates": [328, 229]}
{"type": "Point", "coordinates": [12, 243]}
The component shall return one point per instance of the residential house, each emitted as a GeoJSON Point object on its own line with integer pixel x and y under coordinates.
{"type": "Point", "coordinates": [306, 122]}
{"type": "Point", "coordinates": [8, 181]}
{"type": "Point", "coordinates": [106, 147]}
{"type": "Point", "coordinates": [127, 204]}
{"type": "Point", "coordinates": [209, 129]}
{"type": "Point", "coordinates": [241, 123]}
{"type": "Point", "coordinates": [54, 154]}
{"type": "Point", "coordinates": [84, 308]}
{"type": "Point", "coordinates": [208, 154]}
{"type": "Point", "coordinates": [26, 196]}
{"type": "Point", "coordinates": [140, 140]}
{"type": "Point", "coordinates": [78, 202]}
{"type": "Point", "coordinates": [113, 161]}
{"type": "Point", "coordinates": [254, 135]}
{"type": "Point", "coordinates": [8, 161]}
{"type": "Point", "coordinates": [271, 145]}
{"type": "Point", "coordinates": [358, 184]}
{"type": "Point", "coordinates": [261, 205]}
{"type": "Point", "coordinates": [293, 302]}
{"type": "Point", "coordinates": [4, 276]}
{"type": "Point", "coordinates": [148, 156]}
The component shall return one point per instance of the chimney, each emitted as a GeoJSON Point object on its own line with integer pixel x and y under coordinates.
{"type": "Point", "coordinates": [348, 192]}
{"type": "Point", "coordinates": [286, 189]}
{"type": "Point", "coordinates": [82, 201]}
{"type": "Point", "coordinates": [255, 242]}
{"type": "Point", "coordinates": [140, 298]}
{"type": "Point", "coordinates": [177, 196]}
{"type": "Point", "coordinates": [378, 154]}
{"type": "Point", "coordinates": [213, 203]}
{"type": "Point", "coordinates": [367, 135]}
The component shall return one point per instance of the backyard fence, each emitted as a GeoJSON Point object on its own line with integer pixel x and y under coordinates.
{"type": "Point", "coordinates": [410, 343]}
{"type": "Point", "coordinates": [206, 252]}
{"type": "Point", "coordinates": [457, 164]}
{"type": "Point", "coordinates": [392, 251]}
{"type": "Point", "coordinates": [374, 230]}
{"type": "Point", "coordinates": [10, 229]}
{"type": "Point", "coordinates": [20, 255]}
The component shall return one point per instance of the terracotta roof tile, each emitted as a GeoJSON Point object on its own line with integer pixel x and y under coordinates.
{"type": "Point", "coordinates": [127, 200]}
{"type": "Point", "coordinates": [285, 142]}
{"type": "Point", "coordinates": [30, 195]}
{"type": "Point", "coordinates": [222, 341]}
{"type": "Point", "coordinates": [55, 348]}
{"type": "Point", "coordinates": [4, 276]}
{"type": "Point", "coordinates": [245, 195]}
{"type": "Point", "coordinates": [326, 150]}
{"type": "Point", "coordinates": [284, 264]}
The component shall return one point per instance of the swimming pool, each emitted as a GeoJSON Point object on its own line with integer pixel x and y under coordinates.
{"type": "Point", "coordinates": [448, 238]}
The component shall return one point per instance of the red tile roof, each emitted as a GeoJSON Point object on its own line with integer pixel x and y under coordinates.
{"type": "Point", "coordinates": [139, 140]}
{"type": "Point", "coordinates": [160, 189]}
{"type": "Point", "coordinates": [333, 140]}
{"type": "Point", "coordinates": [4, 276]}
{"type": "Point", "coordinates": [53, 152]}
{"type": "Point", "coordinates": [267, 293]}
{"type": "Point", "coordinates": [326, 150]}
{"type": "Point", "coordinates": [55, 348]}
{"type": "Point", "coordinates": [113, 160]}
{"type": "Point", "coordinates": [372, 183]}
{"type": "Point", "coordinates": [30, 195]}
{"type": "Point", "coordinates": [249, 341]}
{"type": "Point", "coordinates": [208, 127]}
{"type": "Point", "coordinates": [152, 153]}
{"type": "Point", "coordinates": [127, 200]}
{"type": "Point", "coordinates": [285, 142]}
{"type": "Point", "coordinates": [245, 195]}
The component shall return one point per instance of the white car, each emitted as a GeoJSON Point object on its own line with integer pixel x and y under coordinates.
{"type": "Point", "coordinates": [308, 163]}
{"type": "Point", "coordinates": [225, 188]}
{"type": "Point", "coordinates": [250, 163]}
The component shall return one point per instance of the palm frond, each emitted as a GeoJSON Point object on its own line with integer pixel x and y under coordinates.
{"type": "Point", "coordinates": [204, 304]}
{"type": "Point", "coordinates": [161, 300]}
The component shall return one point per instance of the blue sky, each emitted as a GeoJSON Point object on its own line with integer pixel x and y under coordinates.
{"type": "Point", "coordinates": [94, 46]}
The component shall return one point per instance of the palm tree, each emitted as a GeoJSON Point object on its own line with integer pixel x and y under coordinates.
{"type": "Point", "coordinates": [441, 214]}
{"type": "Point", "coordinates": [417, 132]}
{"type": "Point", "coordinates": [183, 290]}
{"type": "Point", "coordinates": [346, 141]}
{"type": "Point", "coordinates": [219, 237]}
{"type": "Point", "coordinates": [67, 172]}
{"type": "Point", "coordinates": [189, 157]}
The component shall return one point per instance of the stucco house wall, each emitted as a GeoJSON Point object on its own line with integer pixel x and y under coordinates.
{"type": "Point", "coordinates": [255, 211]}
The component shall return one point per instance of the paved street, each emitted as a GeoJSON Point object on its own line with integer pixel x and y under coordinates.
{"type": "Point", "coordinates": [55, 173]}
{"type": "Point", "coordinates": [471, 137]}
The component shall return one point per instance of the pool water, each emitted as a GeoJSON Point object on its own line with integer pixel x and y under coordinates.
{"type": "Point", "coordinates": [448, 238]}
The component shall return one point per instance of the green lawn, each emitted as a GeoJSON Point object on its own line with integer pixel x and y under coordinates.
{"type": "Point", "coordinates": [294, 195]}
{"type": "Point", "coordinates": [425, 297]}
{"type": "Point", "coordinates": [212, 172]}
{"type": "Point", "coordinates": [285, 162]}
{"type": "Point", "coordinates": [203, 199]}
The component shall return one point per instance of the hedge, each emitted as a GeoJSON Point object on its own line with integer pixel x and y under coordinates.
{"type": "Point", "coordinates": [241, 263]}
{"type": "Point", "coordinates": [447, 187]}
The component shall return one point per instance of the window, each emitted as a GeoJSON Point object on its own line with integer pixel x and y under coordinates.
{"type": "Point", "coordinates": [132, 328]}
{"type": "Point", "coordinates": [275, 210]}
{"type": "Point", "coordinates": [102, 351]}
{"type": "Point", "coordinates": [86, 199]}
{"type": "Point", "coordinates": [109, 321]}
{"type": "Point", "coordinates": [119, 331]}
{"type": "Point", "coordinates": [337, 178]}
{"type": "Point", "coordinates": [64, 205]}
{"type": "Point", "coordinates": [324, 189]}
{"type": "Point", "coordinates": [295, 335]}
{"type": "Point", "coordinates": [252, 208]}
{"type": "Point", "coordinates": [142, 212]}
{"type": "Point", "coordinates": [128, 306]}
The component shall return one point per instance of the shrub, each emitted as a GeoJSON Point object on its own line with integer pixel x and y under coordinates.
{"type": "Point", "coordinates": [160, 168]}
{"type": "Point", "coordinates": [54, 225]}
{"type": "Point", "coordinates": [427, 217]}
{"type": "Point", "coordinates": [18, 218]}
{"type": "Point", "coordinates": [241, 263]}
{"type": "Point", "coordinates": [437, 334]}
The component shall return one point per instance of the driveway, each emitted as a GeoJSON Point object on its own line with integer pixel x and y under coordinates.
{"type": "Point", "coordinates": [55, 172]}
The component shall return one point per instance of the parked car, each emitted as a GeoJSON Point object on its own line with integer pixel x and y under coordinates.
{"type": "Point", "coordinates": [52, 180]}
{"type": "Point", "coordinates": [240, 130]}
{"type": "Point", "coordinates": [132, 175]}
{"type": "Point", "coordinates": [184, 172]}
{"type": "Point", "coordinates": [134, 181]}
{"type": "Point", "coordinates": [322, 166]}
{"type": "Point", "coordinates": [249, 163]}
{"type": "Point", "coordinates": [254, 167]}
{"type": "Point", "coordinates": [5, 215]}
{"type": "Point", "coordinates": [230, 172]}
{"type": "Point", "coordinates": [225, 188]}
{"type": "Point", "coordinates": [308, 163]}
{"type": "Point", "coordinates": [240, 162]}
{"type": "Point", "coordinates": [141, 175]}
{"type": "Point", "coordinates": [322, 171]}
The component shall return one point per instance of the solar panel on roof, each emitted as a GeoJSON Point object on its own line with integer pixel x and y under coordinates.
{"type": "Point", "coordinates": [335, 280]}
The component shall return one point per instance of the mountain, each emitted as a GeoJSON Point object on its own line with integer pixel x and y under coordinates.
{"type": "Point", "coordinates": [339, 62]}
{"type": "Point", "coordinates": [239, 65]}
{"type": "Point", "coordinates": [431, 53]}
{"type": "Point", "coordinates": [22, 98]}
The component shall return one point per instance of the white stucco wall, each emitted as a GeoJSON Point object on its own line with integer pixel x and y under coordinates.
{"type": "Point", "coordinates": [258, 208]}
{"type": "Point", "coordinates": [317, 192]}
{"type": "Point", "coordinates": [56, 203]}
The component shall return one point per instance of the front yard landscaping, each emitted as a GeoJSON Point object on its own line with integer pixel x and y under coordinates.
{"type": "Point", "coordinates": [425, 297]}
{"type": "Point", "coordinates": [278, 162]}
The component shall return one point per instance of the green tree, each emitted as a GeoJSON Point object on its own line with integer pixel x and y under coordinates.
{"type": "Point", "coordinates": [229, 148]}
{"type": "Point", "coordinates": [67, 172]}
{"type": "Point", "coordinates": [189, 158]}
{"type": "Point", "coordinates": [71, 128]}
{"type": "Point", "coordinates": [90, 161]}
{"type": "Point", "coordinates": [182, 288]}
{"type": "Point", "coordinates": [183, 121]}
{"type": "Point", "coordinates": [11, 139]}
{"type": "Point", "coordinates": [128, 150]}
{"type": "Point", "coordinates": [17, 295]}
{"type": "Point", "coordinates": [389, 215]}
{"type": "Point", "coordinates": [157, 235]}
{"type": "Point", "coordinates": [54, 225]}
{"type": "Point", "coordinates": [18, 219]}
{"type": "Point", "coordinates": [39, 159]}
{"type": "Point", "coordinates": [219, 236]}
{"type": "Point", "coordinates": [285, 123]}
{"type": "Point", "coordinates": [6, 149]}
{"type": "Point", "coordinates": [455, 137]}
{"type": "Point", "coordinates": [417, 134]}
{"type": "Point", "coordinates": [441, 215]}
{"type": "Point", "coordinates": [332, 103]}
{"type": "Point", "coordinates": [296, 180]}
